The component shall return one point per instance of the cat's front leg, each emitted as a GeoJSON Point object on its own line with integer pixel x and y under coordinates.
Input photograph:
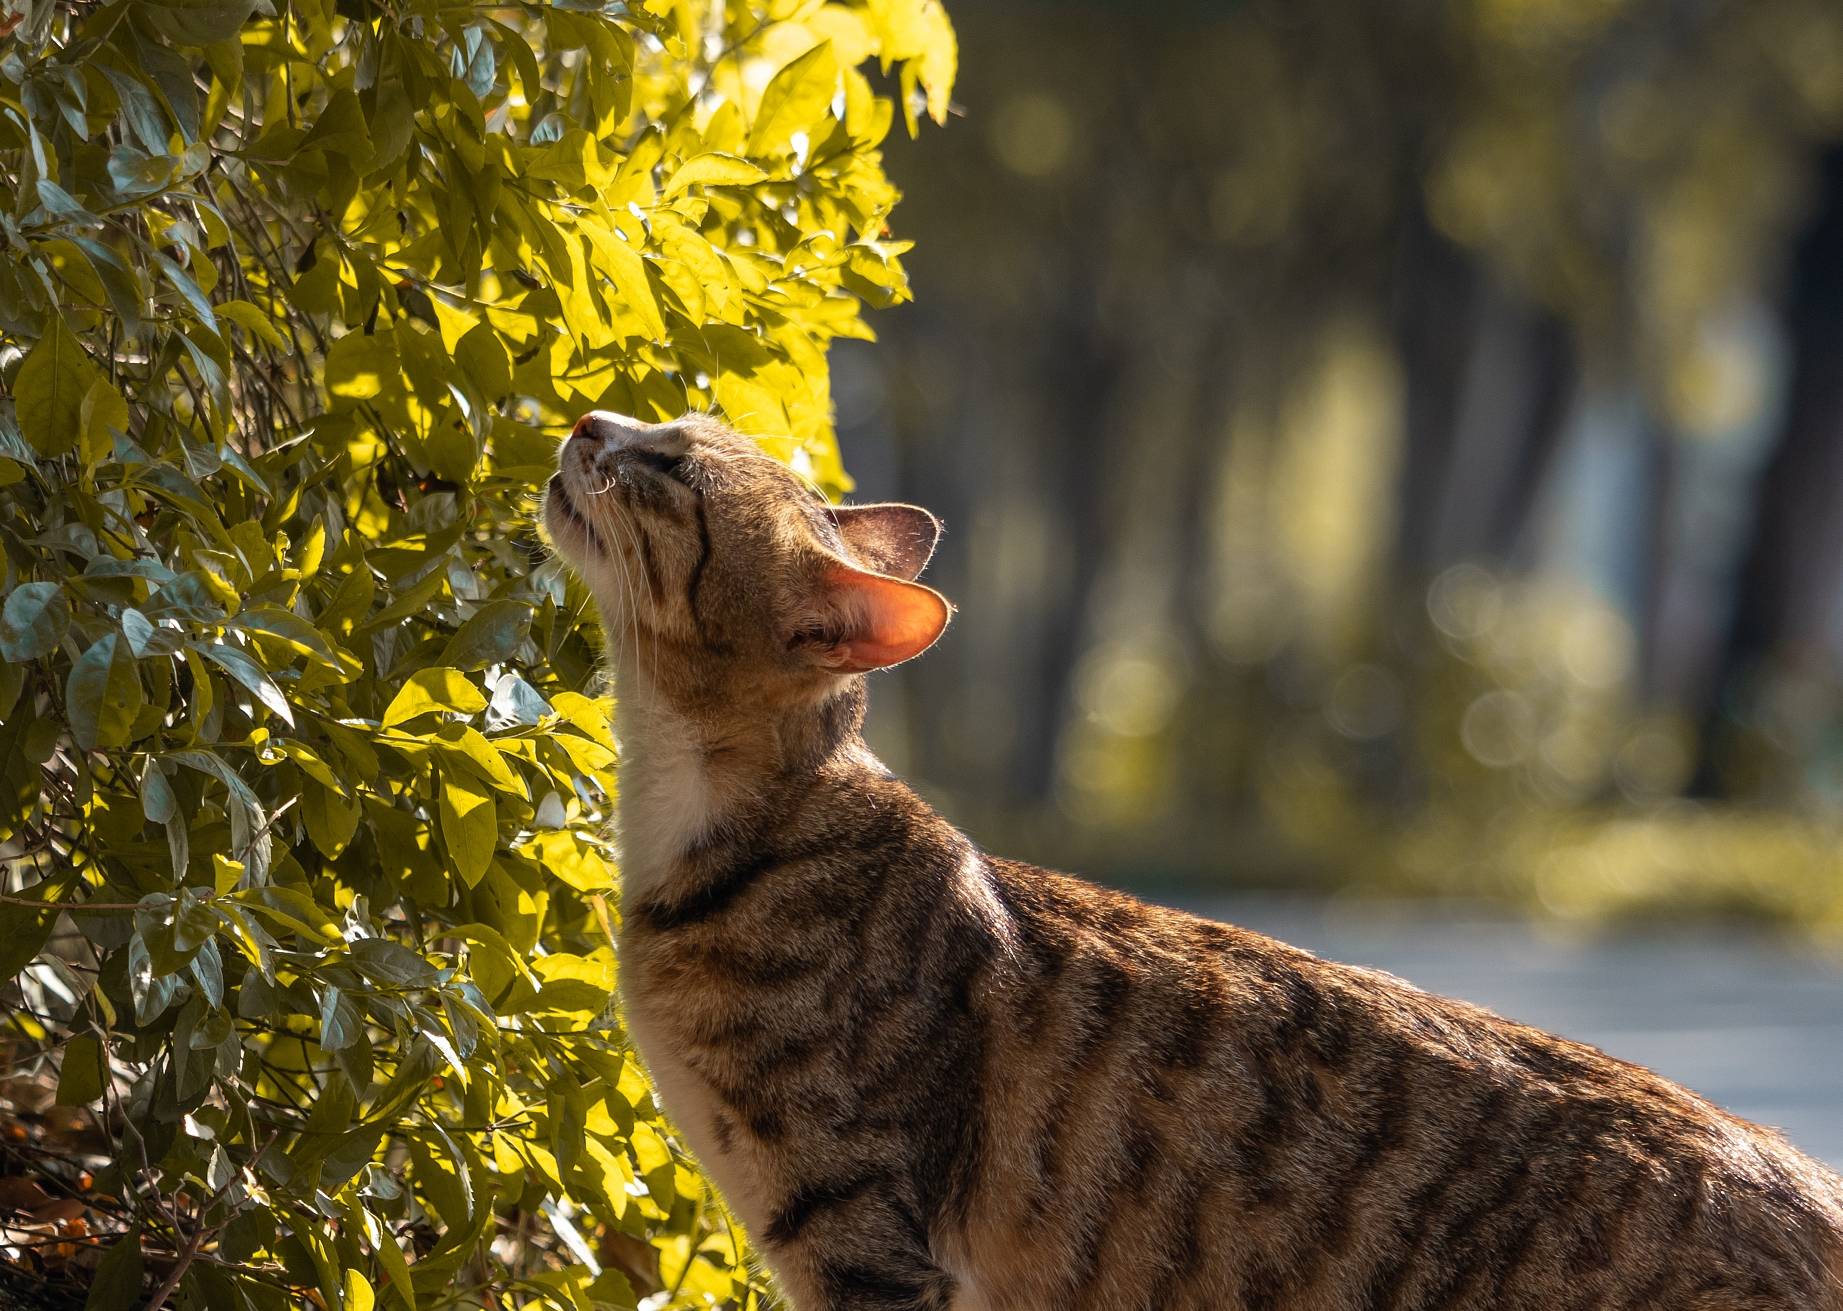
{"type": "Point", "coordinates": [837, 1250]}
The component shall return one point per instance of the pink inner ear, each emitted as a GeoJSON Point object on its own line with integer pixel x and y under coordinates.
{"type": "Point", "coordinates": [887, 620]}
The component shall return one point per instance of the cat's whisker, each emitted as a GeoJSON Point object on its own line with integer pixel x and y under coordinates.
{"type": "Point", "coordinates": [630, 618]}
{"type": "Point", "coordinates": [631, 532]}
{"type": "Point", "coordinates": [611, 516]}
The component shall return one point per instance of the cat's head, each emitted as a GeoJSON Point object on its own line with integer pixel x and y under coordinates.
{"type": "Point", "coordinates": [719, 573]}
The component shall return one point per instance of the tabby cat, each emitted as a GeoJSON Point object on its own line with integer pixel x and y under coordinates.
{"type": "Point", "coordinates": [928, 1078]}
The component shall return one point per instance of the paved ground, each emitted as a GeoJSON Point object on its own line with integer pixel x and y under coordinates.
{"type": "Point", "coordinates": [1745, 1021]}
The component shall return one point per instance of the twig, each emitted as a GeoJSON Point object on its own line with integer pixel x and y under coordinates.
{"type": "Point", "coordinates": [178, 1270]}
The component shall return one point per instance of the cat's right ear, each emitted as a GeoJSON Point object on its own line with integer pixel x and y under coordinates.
{"type": "Point", "coordinates": [871, 621]}
{"type": "Point", "coordinates": [890, 538]}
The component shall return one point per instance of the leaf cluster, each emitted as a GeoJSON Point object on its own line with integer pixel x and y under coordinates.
{"type": "Point", "coordinates": [302, 900]}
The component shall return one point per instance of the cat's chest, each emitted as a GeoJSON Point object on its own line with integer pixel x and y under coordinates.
{"type": "Point", "coordinates": [667, 804]}
{"type": "Point", "coordinates": [677, 1014]}
{"type": "Point", "coordinates": [690, 1096]}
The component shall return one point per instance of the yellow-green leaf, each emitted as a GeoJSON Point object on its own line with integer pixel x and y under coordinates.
{"type": "Point", "coordinates": [358, 1294]}
{"type": "Point", "coordinates": [795, 101]}
{"type": "Point", "coordinates": [103, 413]}
{"type": "Point", "coordinates": [359, 366]}
{"type": "Point", "coordinates": [428, 690]}
{"type": "Point", "coordinates": [714, 168]}
{"type": "Point", "coordinates": [49, 390]}
{"type": "Point", "coordinates": [567, 855]}
{"type": "Point", "coordinates": [470, 824]}
{"type": "Point", "coordinates": [103, 694]}
{"type": "Point", "coordinates": [624, 267]}
{"type": "Point", "coordinates": [81, 1075]}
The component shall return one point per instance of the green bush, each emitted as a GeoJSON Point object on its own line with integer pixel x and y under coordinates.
{"type": "Point", "coordinates": [306, 911]}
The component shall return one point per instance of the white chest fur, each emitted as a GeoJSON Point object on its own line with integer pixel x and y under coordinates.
{"type": "Point", "coordinates": [694, 1106]}
{"type": "Point", "coordinates": [667, 801]}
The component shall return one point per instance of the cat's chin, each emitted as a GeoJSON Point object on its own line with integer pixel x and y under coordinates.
{"type": "Point", "coordinates": [570, 531]}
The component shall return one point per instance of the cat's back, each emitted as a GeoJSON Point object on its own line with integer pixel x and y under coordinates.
{"type": "Point", "coordinates": [1193, 1115]}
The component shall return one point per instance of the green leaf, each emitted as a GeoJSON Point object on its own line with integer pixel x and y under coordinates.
{"type": "Point", "coordinates": [120, 283]}
{"type": "Point", "coordinates": [48, 393]}
{"type": "Point", "coordinates": [516, 704]}
{"type": "Point", "coordinates": [339, 1020]}
{"type": "Point", "coordinates": [470, 824]}
{"type": "Point", "coordinates": [384, 961]}
{"type": "Point", "coordinates": [482, 354]}
{"type": "Point", "coordinates": [33, 621]}
{"type": "Point", "coordinates": [103, 413]}
{"type": "Point", "coordinates": [142, 636]}
{"type": "Point", "coordinates": [157, 800]}
{"type": "Point", "coordinates": [714, 169]}
{"type": "Point", "coordinates": [396, 1269]}
{"type": "Point", "coordinates": [208, 972]}
{"type": "Point", "coordinates": [103, 694]}
{"type": "Point", "coordinates": [253, 321]}
{"type": "Point", "coordinates": [465, 745]}
{"type": "Point", "coordinates": [226, 874]}
{"type": "Point", "coordinates": [188, 289]}
{"type": "Point", "coordinates": [331, 817]}
{"type": "Point", "coordinates": [491, 635]}
{"type": "Point", "coordinates": [627, 270]}
{"type": "Point", "coordinates": [359, 366]}
{"type": "Point", "coordinates": [427, 690]}
{"type": "Point", "coordinates": [198, 22]}
{"type": "Point", "coordinates": [567, 855]}
{"type": "Point", "coordinates": [117, 1282]}
{"type": "Point", "coordinates": [80, 1077]}
{"type": "Point", "coordinates": [25, 929]}
{"type": "Point", "coordinates": [442, 1175]}
{"type": "Point", "coordinates": [795, 101]}
{"type": "Point", "coordinates": [61, 204]}
{"type": "Point", "coordinates": [247, 672]}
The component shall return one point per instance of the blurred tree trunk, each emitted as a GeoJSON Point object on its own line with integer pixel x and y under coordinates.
{"type": "Point", "coordinates": [1488, 377]}
{"type": "Point", "coordinates": [1213, 728]}
{"type": "Point", "coordinates": [1654, 520]}
{"type": "Point", "coordinates": [935, 384]}
{"type": "Point", "coordinates": [1081, 367]}
{"type": "Point", "coordinates": [1551, 375]}
{"type": "Point", "coordinates": [1792, 568]}
{"type": "Point", "coordinates": [1433, 301]}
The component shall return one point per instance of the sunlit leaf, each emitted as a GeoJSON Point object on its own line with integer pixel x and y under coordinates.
{"type": "Point", "coordinates": [438, 689]}
{"type": "Point", "coordinates": [470, 826]}
{"type": "Point", "coordinates": [714, 169]}
{"type": "Point", "coordinates": [794, 101]}
{"type": "Point", "coordinates": [247, 672]}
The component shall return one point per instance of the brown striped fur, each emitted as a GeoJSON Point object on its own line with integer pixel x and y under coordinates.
{"type": "Point", "coordinates": [926, 1078]}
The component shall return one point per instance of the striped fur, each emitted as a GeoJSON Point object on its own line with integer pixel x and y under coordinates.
{"type": "Point", "coordinates": [926, 1078]}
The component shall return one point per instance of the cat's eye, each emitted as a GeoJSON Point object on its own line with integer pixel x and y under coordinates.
{"type": "Point", "coordinates": [674, 467]}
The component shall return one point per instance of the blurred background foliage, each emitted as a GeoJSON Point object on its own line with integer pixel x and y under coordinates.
{"type": "Point", "coordinates": [1383, 446]}
{"type": "Point", "coordinates": [306, 918]}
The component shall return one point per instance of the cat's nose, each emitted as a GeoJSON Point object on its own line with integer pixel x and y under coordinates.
{"type": "Point", "coordinates": [610, 431]}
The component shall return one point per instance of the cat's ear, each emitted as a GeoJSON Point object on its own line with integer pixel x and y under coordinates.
{"type": "Point", "coordinates": [872, 621]}
{"type": "Point", "coordinates": [888, 538]}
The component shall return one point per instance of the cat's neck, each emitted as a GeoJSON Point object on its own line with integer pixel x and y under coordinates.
{"type": "Point", "coordinates": [688, 777]}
